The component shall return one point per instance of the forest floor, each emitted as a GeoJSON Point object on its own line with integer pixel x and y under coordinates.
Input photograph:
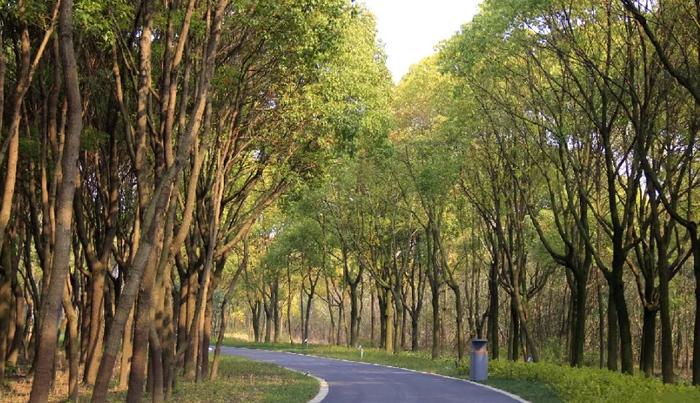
{"type": "Point", "coordinates": [540, 382]}
{"type": "Point", "coordinates": [239, 380]}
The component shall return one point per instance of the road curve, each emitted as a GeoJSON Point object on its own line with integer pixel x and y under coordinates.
{"type": "Point", "coordinates": [353, 382]}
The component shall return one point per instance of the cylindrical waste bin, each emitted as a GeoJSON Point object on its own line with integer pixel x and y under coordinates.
{"type": "Point", "coordinates": [479, 368]}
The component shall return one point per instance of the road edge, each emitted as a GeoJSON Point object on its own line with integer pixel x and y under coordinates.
{"type": "Point", "coordinates": [501, 391]}
{"type": "Point", "coordinates": [322, 391]}
{"type": "Point", "coordinates": [322, 384]}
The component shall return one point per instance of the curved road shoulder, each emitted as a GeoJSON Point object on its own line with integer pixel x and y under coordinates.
{"type": "Point", "coordinates": [353, 381]}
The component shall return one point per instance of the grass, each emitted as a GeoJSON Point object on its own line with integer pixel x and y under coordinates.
{"type": "Point", "coordinates": [540, 382]}
{"type": "Point", "coordinates": [243, 380]}
{"type": "Point", "coordinates": [239, 380]}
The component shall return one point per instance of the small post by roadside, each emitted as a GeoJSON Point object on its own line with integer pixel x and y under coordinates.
{"type": "Point", "coordinates": [479, 367]}
{"type": "Point", "coordinates": [362, 352]}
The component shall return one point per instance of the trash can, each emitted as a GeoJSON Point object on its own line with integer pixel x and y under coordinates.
{"type": "Point", "coordinates": [479, 368]}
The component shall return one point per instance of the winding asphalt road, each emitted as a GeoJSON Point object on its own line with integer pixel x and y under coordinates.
{"type": "Point", "coordinates": [354, 382]}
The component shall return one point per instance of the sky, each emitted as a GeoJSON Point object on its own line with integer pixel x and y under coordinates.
{"type": "Point", "coordinates": [410, 29]}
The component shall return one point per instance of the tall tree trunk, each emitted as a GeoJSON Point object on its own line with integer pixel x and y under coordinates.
{"type": "Point", "coordinates": [5, 304]}
{"type": "Point", "coordinates": [414, 333]}
{"type": "Point", "coordinates": [354, 315]}
{"type": "Point", "coordinates": [276, 311]}
{"type": "Point", "coordinates": [72, 346]}
{"type": "Point", "coordinates": [460, 326]}
{"type": "Point", "coordinates": [219, 342]}
{"type": "Point", "coordinates": [64, 212]}
{"type": "Point", "coordinates": [203, 366]}
{"type": "Point", "coordinates": [514, 350]}
{"type": "Point", "coordinates": [308, 317]}
{"type": "Point", "coordinates": [95, 338]}
{"type": "Point", "coordinates": [613, 339]}
{"type": "Point", "coordinates": [623, 321]}
{"type": "Point", "coordinates": [371, 317]}
{"type": "Point", "coordinates": [156, 365]}
{"type": "Point", "coordinates": [389, 320]}
{"type": "Point", "coordinates": [666, 327]}
{"type": "Point", "coordinates": [578, 336]}
{"type": "Point", "coordinates": [648, 347]}
{"type": "Point", "coordinates": [493, 311]}
{"type": "Point", "coordinates": [143, 321]}
{"type": "Point", "coordinates": [190, 352]}
{"type": "Point", "coordinates": [289, 305]}
{"type": "Point", "coordinates": [601, 323]}
{"type": "Point", "coordinates": [435, 299]}
{"type": "Point", "coordinates": [127, 351]}
{"type": "Point", "coordinates": [16, 352]}
{"type": "Point", "coordinates": [696, 326]}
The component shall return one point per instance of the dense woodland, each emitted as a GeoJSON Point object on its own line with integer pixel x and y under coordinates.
{"type": "Point", "coordinates": [174, 172]}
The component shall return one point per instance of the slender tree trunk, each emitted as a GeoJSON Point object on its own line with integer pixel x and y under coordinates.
{"type": "Point", "coordinates": [95, 337]}
{"type": "Point", "coordinates": [17, 351]}
{"type": "Point", "coordinates": [190, 353]}
{"type": "Point", "coordinates": [371, 319]}
{"type": "Point", "coordinates": [435, 299]}
{"type": "Point", "coordinates": [613, 339]}
{"type": "Point", "coordinates": [301, 314]}
{"type": "Point", "coordinates": [156, 365]}
{"type": "Point", "coordinates": [493, 311]}
{"type": "Point", "coordinates": [289, 305]}
{"type": "Point", "coordinates": [389, 320]}
{"type": "Point", "coordinates": [354, 316]}
{"type": "Point", "coordinates": [181, 338]}
{"type": "Point", "coordinates": [72, 346]}
{"type": "Point", "coordinates": [276, 311]}
{"type": "Point", "coordinates": [578, 336]}
{"type": "Point", "coordinates": [396, 323]}
{"type": "Point", "coordinates": [219, 342]}
{"type": "Point", "coordinates": [601, 324]}
{"type": "Point", "coordinates": [666, 327]}
{"type": "Point", "coordinates": [623, 324]}
{"type": "Point", "coordinates": [308, 317]}
{"type": "Point", "coordinates": [414, 332]}
{"type": "Point", "coordinates": [5, 304]}
{"type": "Point", "coordinates": [696, 326]}
{"type": "Point", "coordinates": [127, 350]}
{"type": "Point", "coordinates": [460, 326]}
{"type": "Point", "coordinates": [204, 344]}
{"type": "Point", "coordinates": [404, 314]}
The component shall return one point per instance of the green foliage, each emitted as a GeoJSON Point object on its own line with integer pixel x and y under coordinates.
{"type": "Point", "coordinates": [99, 20]}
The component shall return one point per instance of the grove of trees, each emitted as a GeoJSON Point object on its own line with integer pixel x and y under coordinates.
{"type": "Point", "coordinates": [536, 187]}
{"type": "Point", "coordinates": [177, 171]}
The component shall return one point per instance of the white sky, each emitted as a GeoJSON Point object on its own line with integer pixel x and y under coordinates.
{"type": "Point", "coordinates": [410, 29]}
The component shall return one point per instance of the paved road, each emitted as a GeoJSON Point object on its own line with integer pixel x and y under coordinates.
{"type": "Point", "coordinates": [351, 382]}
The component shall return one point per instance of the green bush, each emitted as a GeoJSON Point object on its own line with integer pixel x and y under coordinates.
{"type": "Point", "coordinates": [594, 385]}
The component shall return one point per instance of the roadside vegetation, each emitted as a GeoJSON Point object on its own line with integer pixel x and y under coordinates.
{"type": "Point", "coordinates": [535, 382]}
{"type": "Point", "coordinates": [239, 380]}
